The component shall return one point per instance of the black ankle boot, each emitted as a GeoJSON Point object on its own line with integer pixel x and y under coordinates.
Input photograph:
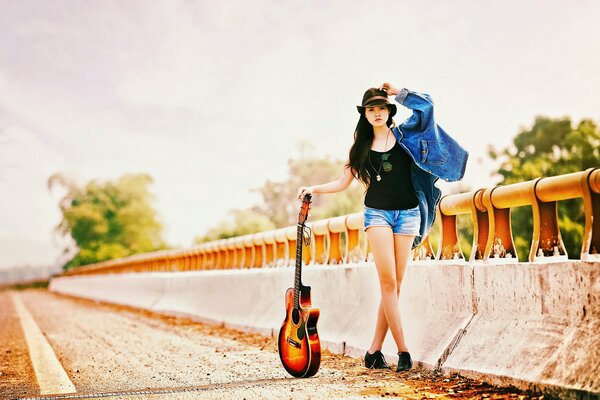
{"type": "Point", "coordinates": [375, 360]}
{"type": "Point", "coordinates": [404, 361]}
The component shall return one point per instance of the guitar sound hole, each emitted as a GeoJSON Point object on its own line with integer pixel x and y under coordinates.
{"type": "Point", "coordinates": [295, 316]}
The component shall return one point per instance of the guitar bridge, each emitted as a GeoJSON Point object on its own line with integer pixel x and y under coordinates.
{"type": "Point", "coordinates": [293, 343]}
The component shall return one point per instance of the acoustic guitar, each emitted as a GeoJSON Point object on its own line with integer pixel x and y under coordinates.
{"type": "Point", "coordinates": [299, 344]}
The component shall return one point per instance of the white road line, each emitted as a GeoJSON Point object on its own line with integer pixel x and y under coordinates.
{"type": "Point", "coordinates": [50, 374]}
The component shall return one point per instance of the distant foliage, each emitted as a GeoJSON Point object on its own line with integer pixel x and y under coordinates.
{"type": "Point", "coordinates": [243, 222]}
{"type": "Point", "coordinates": [108, 220]}
{"type": "Point", "coordinates": [280, 207]}
{"type": "Point", "coordinates": [551, 147]}
{"type": "Point", "coordinates": [279, 198]}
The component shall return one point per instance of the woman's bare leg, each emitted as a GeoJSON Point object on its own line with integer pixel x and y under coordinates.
{"type": "Point", "coordinates": [381, 329]}
{"type": "Point", "coordinates": [383, 245]}
{"type": "Point", "coordinates": [402, 245]}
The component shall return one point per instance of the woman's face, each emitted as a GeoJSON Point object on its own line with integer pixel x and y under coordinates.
{"type": "Point", "coordinates": [377, 115]}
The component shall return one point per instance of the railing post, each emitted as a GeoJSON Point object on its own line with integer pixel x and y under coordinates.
{"type": "Point", "coordinates": [179, 260]}
{"type": "Point", "coordinates": [449, 247]}
{"type": "Point", "coordinates": [213, 253]}
{"type": "Point", "coordinates": [187, 260]}
{"type": "Point", "coordinates": [249, 251]}
{"type": "Point", "coordinates": [291, 236]}
{"type": "Point", "coordinates": [158, 262]}
{"type": "Point", "coordinates": [322, 241]}
{"type": "Point", "coordinates": [546, 240]}
{"type": "Point", "coordinates": [202, 256]}
{"type": "Point", "coordinates": [281, 247]}
{"type": "Point", "coordinates": [169, 261]}
{"type": "Point", "coordinates": [238, 246]}
{"type": "Point", "coordinates": [195, 253]}
{"type": "Point", "coordinates": [191, 255]}
{"type": "Point", "coordinates": [164, 262]}
{"type": "Point", "coordinates": [499, 243]}
{"type": "Point", "coordinates": [354, 225]}
{"type": "Point", "coordinates": [195, 258]}
{"type": "Point", "coordinates": [259, 249]}
{"type": "Point", "coordinates": [450, 206]}
{"type": "Point", "coordinates": [481, 226]}
{"type": "Point", "coordinates": [269, 239]}
{"type": "Point", "coordinates": [200, 252]}
{"type": "Point", "coordinates": [424, 250]}
{"type": "Point", "coordinates": [230, 248]}
{"type": "Point", "coordinates": [223, 256]}
{"type": "Point", "coordinates": [168, 265]}
{"type": "Point", "coordinates": [590, 248]}
{"type": "Point", "coordinates": [337, 226]}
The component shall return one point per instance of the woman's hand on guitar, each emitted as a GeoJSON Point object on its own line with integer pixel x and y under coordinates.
{"type": "Point", "coordinates": [302, 190]}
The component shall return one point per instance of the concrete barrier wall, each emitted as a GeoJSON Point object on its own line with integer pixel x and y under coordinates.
{"type": "Point", "coordinates": [435, 304]}
{"type": "Point", "coordinates": [435, 301]}
{"type": "Point", "coordinates": [136, 290]}
{"type": "Point", "coordinates": [521, 324]}
{"type": "Point", "coordinates": [537, 323]}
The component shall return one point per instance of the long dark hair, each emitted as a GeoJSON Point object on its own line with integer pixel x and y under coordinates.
{"type": "Point", "coordinates": [358, 159]}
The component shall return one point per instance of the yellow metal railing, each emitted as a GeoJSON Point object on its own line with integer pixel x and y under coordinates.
{"type": "Point", "coordinates": [341, 239]}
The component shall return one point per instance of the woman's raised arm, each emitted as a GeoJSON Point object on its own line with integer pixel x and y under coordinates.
{"type": "Point", "coordinates": [420, 103]}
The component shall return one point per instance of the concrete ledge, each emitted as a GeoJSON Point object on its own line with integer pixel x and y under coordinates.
{"type": "Point", "coordinates": [535, 326]}
{"type": "Point", "coordinates": [136, 290]}
{"type": "Point", "coordinates": [435, 304]}
{"type": "Point", "coordinates": [538, 324]}
{"type": "Point", "coordinates": [435, 301]}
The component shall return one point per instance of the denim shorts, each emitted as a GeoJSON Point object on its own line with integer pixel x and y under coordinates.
{"type": "Point", "coordinates": [405, 222]}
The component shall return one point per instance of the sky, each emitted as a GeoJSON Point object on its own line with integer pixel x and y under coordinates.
{"type": "Point", "coordinates": [212, 98]}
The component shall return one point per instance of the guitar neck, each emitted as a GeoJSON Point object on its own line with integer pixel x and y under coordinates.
{"type": "Point", "coordinates": [298, 278]}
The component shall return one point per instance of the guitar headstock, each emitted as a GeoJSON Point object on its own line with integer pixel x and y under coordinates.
{"type": "Point", "coordinates": [303, 215]}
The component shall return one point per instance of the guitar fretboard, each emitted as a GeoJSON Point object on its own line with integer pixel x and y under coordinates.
{"type": "Point", "coordinates": [297, 280]}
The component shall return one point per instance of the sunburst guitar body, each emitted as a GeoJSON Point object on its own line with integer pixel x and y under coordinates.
{"type": "Point", "coordinates": [299, 344]}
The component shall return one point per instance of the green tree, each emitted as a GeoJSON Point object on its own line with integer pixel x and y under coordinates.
{"type": "Point", "coordinates": [550, 147]}
{"type": "Point", "coordinates": [108, 220]}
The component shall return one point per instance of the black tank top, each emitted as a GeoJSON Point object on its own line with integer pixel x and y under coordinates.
{"type": "Point", "coordinates": [395, 190]}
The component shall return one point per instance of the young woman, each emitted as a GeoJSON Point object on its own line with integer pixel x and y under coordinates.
{"type": "Point", "coordinates": [399, 167]}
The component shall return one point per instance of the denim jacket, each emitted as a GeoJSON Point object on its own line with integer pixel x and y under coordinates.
{"type": "Point", "coordinates": [435, 155]}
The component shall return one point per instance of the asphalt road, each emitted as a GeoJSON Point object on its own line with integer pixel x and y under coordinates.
{"type": "Point", "coordinates": [111, 351]}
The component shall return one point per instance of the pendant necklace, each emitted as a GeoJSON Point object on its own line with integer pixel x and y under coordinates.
{"type": "Point", "coordinates": [383, 156]}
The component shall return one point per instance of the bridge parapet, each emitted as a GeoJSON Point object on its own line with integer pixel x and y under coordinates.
{"type": "Point", "coordinates": [490, 211]}
{"type": "Point", "coordinates": [340, 240]}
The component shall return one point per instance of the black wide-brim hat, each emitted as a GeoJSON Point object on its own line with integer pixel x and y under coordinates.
{"type": "Point", "coordinates": [376, 97]}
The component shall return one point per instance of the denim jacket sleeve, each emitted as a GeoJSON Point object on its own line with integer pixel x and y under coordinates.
{"type": "Point", "coordinates": [422, 107]}
{"type": "Point", "coordinates": [432, 148]}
